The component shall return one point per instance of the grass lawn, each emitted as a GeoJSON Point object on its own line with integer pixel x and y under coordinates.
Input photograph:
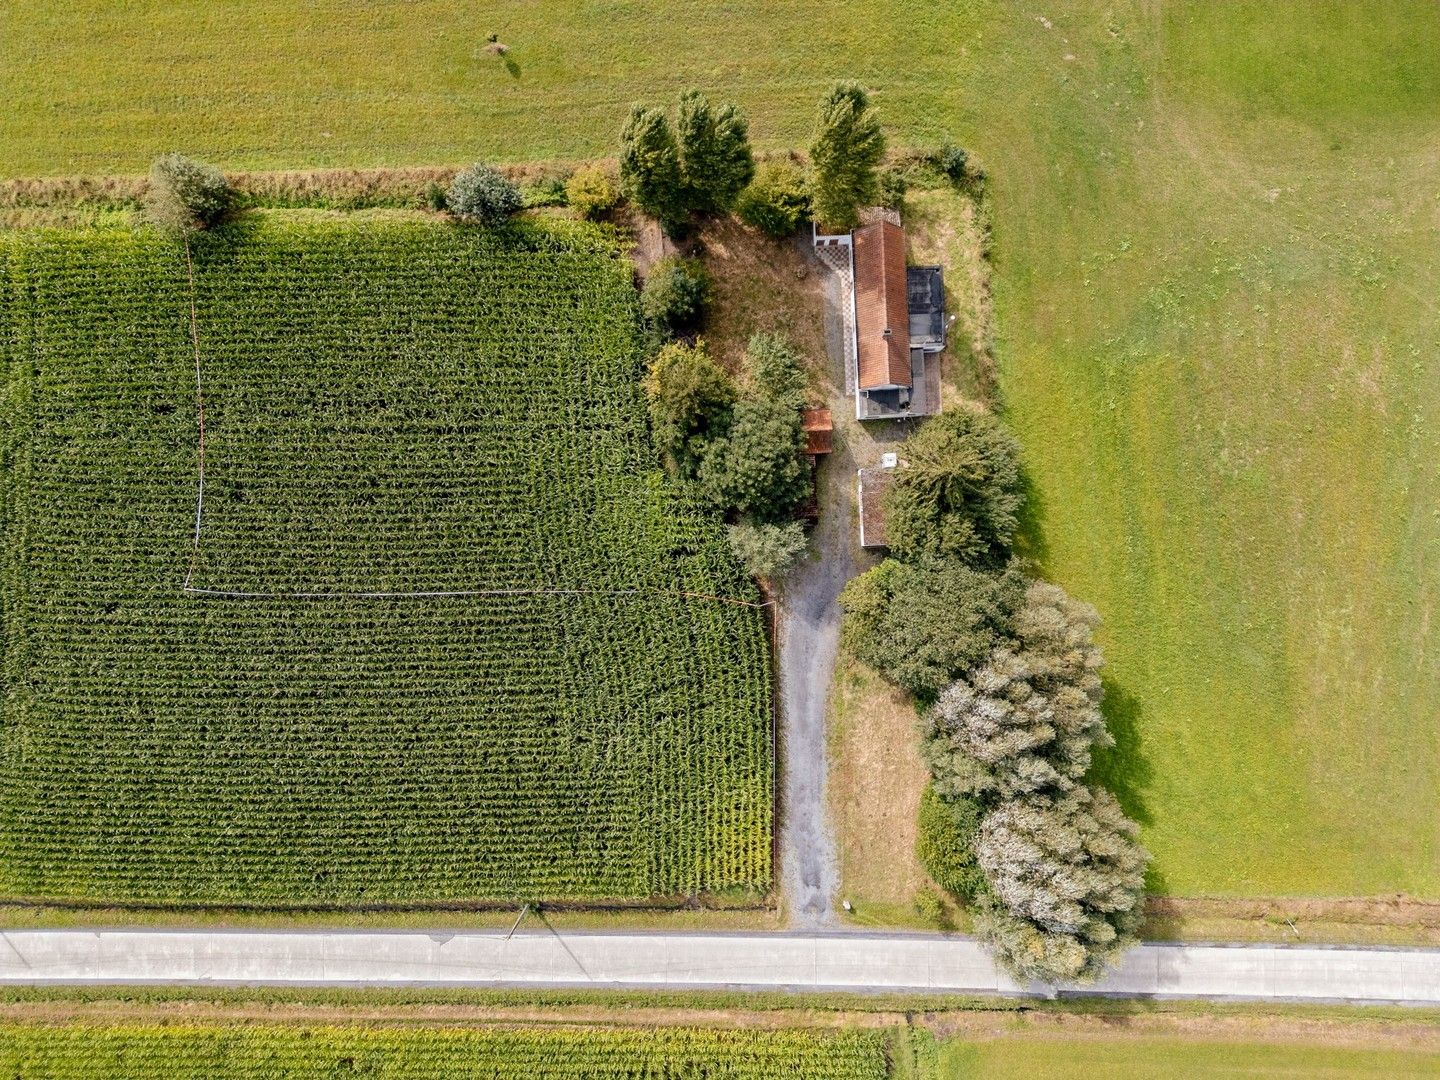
{"type": "Point", "coordinates": [1143, 1058]}
{"type": "Point", "coordinates": [1215, 235]}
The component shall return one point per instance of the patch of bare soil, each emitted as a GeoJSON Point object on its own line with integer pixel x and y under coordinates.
{"type": "Point", "coordinates": [761, 285]}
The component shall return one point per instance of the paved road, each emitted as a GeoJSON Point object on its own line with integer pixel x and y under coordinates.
{"type": "Point", "coordinates": [809, 961]}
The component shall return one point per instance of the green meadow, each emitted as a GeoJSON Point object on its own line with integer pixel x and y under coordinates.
{"type": "Point", "coordinates": [1216, 270]}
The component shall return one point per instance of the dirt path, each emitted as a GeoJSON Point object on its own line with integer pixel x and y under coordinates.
{"type": "Point", "coordinates": [810, 641]}
{"type": "Point", "coordinates": [809, 644]}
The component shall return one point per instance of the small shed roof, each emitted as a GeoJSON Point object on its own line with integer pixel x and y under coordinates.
{"type": "Point", "coordinates": [875, 484]}
{"type": "Point", "coordinates": [882, 315]}
{"type": "Point", "coordinates": [819, 429]}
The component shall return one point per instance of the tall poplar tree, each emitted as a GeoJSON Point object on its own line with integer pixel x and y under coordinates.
{"type": "Point", "coordinates": [715, 158]}
{"type": "Point", "coordinates": [650, 174]}
{"type": "Point", "coordinates": [847, 150]}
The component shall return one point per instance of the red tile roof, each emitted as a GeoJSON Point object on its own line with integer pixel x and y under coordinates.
{"type": "Point", "coordinates": [819, 428]}
{"type": "Point", "coordinates": [875, 485]}
{"type": "Point", "coordinates": [881, 305]}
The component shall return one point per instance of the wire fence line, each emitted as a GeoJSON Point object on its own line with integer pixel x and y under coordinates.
{"type": "Point", "coordinates": [190, 589]}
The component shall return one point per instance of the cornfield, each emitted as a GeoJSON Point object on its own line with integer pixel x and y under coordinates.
{"type": "Point", "coordinates": [274, 1052]}
{"type": "Point", "coordinates": [391, 406]}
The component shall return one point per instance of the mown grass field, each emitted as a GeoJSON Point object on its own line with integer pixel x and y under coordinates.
{"type": "Point", "coordinates": [392, 405]}
{"type": "Point", "coordinates": [1216, 267]}
{"type": "Point", "coordinates": [1143, 1058]}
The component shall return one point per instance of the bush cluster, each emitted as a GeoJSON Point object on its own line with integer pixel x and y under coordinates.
{"type": "Point", "coordinates": [740, 446]}
{"type": "Point", "coordinates": [674, 297]}
{"type": "Point", "coordinates": [185, 196]}
{"type": "Point", "coordinates": [591, 191]}
{"type": "Point", "coordinates": [1006, 670]}
{"type": "Point", "coordinates": [480, 194]}
{"type": "Point", "coordinates": [777, 200]}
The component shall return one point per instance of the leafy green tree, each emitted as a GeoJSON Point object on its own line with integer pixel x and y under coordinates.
{"type": "Point", "coordinates": [945, 842]}
{"type": "Point", "coordinates": [1066, 877]}
{"type": "Point", "coordinates": [777, 372]}
{"type": "Point", "coordinates": [690, 401]}
{"type": "Point", "coordinates": [766, 550]}
{"type": "Point", "coordinates": [674, 296]}
{"type": "Point", "coordinates": [959, 493]}
{"type": "Point", "coordinates": [650, 173]}
{"type": "Point", "coordinates": [185, 195]}
{"type": "Point", "coordinates": [1028, 718]}
{"type": "Point", "coordinates": [715, 158]}
{"type": "Point", "coordinates": [847, 150]}
{"type": "Point", "coordinates": [777, 200]}
{"type": "Point", "coordinates": [922, 625]}
{"type": "Point", "coordinates": [758, 468]}
{"type": "Point", "coordinates": [481, 194]}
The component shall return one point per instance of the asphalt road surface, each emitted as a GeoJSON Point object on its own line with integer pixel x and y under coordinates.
{"type": "Point", "coordinates": [693, 961]}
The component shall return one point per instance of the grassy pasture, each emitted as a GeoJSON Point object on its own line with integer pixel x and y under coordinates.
{"type": "Point", "coordinates": [392, 405]}
{"type": "Point", "coordinates": [1215, 236]}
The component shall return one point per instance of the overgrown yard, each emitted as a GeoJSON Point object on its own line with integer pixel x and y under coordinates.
{"type": "Point", "coordinates": [392, 406]}
{"type": "Point", "coordinates": [1214, 249]}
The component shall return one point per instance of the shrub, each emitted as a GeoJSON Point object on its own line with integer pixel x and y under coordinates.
{"type": "Point", "coordinates": [1028, 718]}
{"type": "Point", "coordinates": [929, 906]}
{"type": "Point", "coordinates": [758, 468]}
{"type": "Point", "coordinates": [776, 371]}
{"type": "Point", "coordinates": [715, 158]}
{"type": "Point", "coordinates": [847, 148]}
{"type": "Point", "coordinates": [777, 201]}
{"type": "Point", "coordinates": [891, 186]}
{"type": "Point", "coordinates": [767, 551]}
{"type": "Point", "coordinates": [591, 191]}
{"type": "Point", "coordinates": [547, 191]}
{"type": "Point", "coordinates": [945, 843]}
{"type": "Point", "coordinates": [959, 494]}
{"type": "Point", "coordinates": [1066, 876]}
{"type": "Point", "coordinates": [953, 161]}
{"type": "Point", "coordinates": [185, 195]}
{"type": "Point", "coordinates": [924, 625]}
{"type": "Point", "coordinates": [674, 295]}
{"type": "Point", "coordinates": [435, 196]}
{"type": "Point", "coordinates": [690, 399]}
{"type": "Point", "coordinates": [479, 193]}
{"type": "Point", "coordinates": [650, 174]}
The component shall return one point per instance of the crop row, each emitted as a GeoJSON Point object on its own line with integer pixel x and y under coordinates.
{"type": "Point", "coordinates": [390, 406]}
{"type": "Point", "coordinates": [248, 1053]}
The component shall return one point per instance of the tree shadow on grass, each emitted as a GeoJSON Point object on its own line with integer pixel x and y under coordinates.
{"type": "Point", "coordinates": [1030, 542]}
{"type": "Point", "coordinates": [1125, 769]}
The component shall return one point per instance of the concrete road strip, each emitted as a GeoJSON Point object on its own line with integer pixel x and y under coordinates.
{"type": "Point", "coordinates": [805, 961]}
